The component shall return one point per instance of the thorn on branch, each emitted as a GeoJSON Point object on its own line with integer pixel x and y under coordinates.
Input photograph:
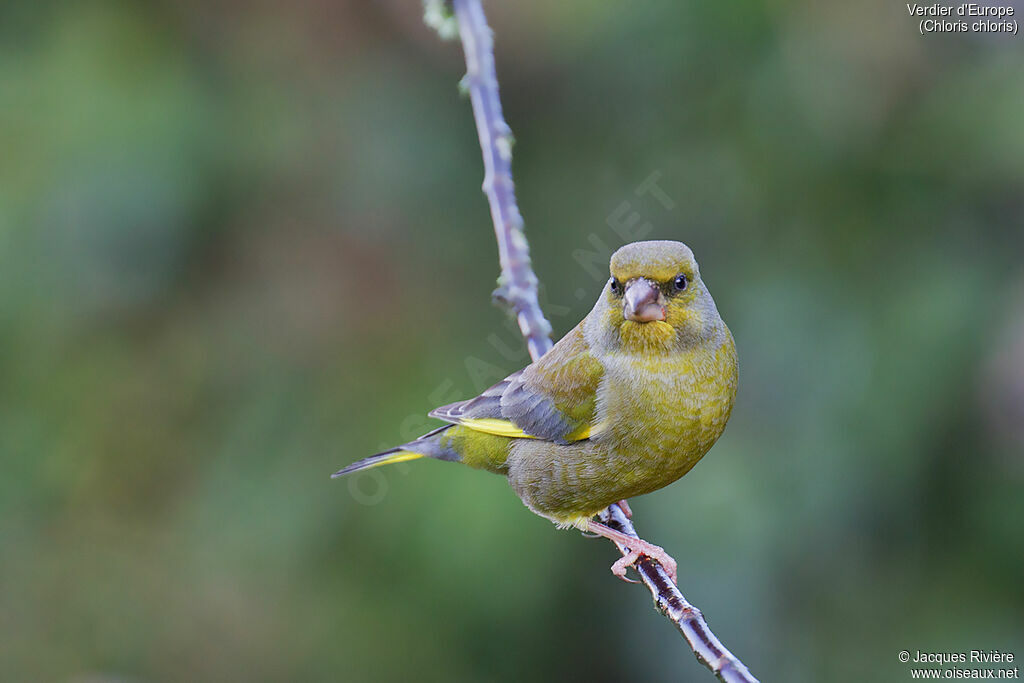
{"type": "Point", "coordinates": [500, 296]}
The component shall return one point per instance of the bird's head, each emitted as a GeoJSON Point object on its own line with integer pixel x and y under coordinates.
{"type": "Point", "coordinates": [654, 300]}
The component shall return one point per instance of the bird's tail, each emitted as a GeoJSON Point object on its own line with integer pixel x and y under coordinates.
{"type": "Point", "coordinates": [385, 458]}
{"type": "Point", "coordinates": [425, 446]}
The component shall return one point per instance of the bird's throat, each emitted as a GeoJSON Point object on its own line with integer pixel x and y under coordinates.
{"type": "Point", "coordinates": [655, 336]}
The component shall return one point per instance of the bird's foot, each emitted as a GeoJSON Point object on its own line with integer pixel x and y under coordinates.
{"type": "Point", "coordinates": [634, 548]}
{"type": "Point", "coordinates": [638, 549]}
{"type": "Point", "coordinates": [645, 550]}
{"type": "Point", "coordinates": [625, 508]}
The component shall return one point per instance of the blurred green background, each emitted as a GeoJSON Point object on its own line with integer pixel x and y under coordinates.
{"type": "Point", "coordinates": [243, 244]}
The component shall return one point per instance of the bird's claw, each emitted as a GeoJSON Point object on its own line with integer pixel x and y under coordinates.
{"type": "Point", "coordinates": [649, 550]}
{"type": "Point", "coordinates": [624, 563]}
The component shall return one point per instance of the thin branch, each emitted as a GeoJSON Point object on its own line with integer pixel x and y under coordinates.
{"type": "Point", "coordinates": [517, 285]}
{"type": "Point", "coordinates": [687, 618]}
{"type": "Point", "coordinates": [518, 288]}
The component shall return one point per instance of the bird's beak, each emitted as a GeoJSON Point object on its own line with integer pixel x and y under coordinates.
{"type": "Point", "coordinates": [644, 302]}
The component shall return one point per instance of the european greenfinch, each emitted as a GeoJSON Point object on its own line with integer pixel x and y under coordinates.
{"type": "Point", "coordinates": [624, 404]}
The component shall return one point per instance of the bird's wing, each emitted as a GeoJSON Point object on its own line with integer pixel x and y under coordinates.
{"type": "Point", "coordinates": [553, 398]}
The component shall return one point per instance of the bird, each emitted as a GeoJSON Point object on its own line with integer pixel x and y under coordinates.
{"type": "Point", "coordinates": [624, 404]}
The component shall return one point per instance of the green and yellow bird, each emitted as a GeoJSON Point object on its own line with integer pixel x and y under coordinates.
{"type": "Point", "coordinates": [626, 403]}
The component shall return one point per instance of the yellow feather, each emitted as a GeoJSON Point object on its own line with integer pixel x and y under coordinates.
{"type": "Point", "coordinates": [496, 427]}
{"type": "Point", "coordinates": [492, 425]}
{"type": "Point", "coordinates": [585, 433]}
{"type": "Point", "coordinates": [397, 457]}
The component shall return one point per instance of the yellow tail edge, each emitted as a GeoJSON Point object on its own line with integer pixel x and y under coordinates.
{"type": "Point", "coordinates": [385, 458]}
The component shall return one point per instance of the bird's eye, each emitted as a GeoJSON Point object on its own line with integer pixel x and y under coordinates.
{"type": "Point", "coordinates": [616, 286]}
{"type": "Point", "coordinates": [680, 283]}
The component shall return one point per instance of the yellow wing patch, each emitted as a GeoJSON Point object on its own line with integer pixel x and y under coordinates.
{"type": "Point", "coordinates": [585, 433]}
{"type": "Point", "coordinates": [492, 425]}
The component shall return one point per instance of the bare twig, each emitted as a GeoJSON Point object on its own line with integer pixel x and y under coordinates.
{"type": "Point", "coordinates": [687, 618]}
{"type": "Point", "coordinates": [517, 284]}
{"type": "Point", "coordinates": [518, 288]}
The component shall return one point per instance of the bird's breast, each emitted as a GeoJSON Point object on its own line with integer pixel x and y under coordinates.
{"type": "Point", "coordinates": [662, 414]}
